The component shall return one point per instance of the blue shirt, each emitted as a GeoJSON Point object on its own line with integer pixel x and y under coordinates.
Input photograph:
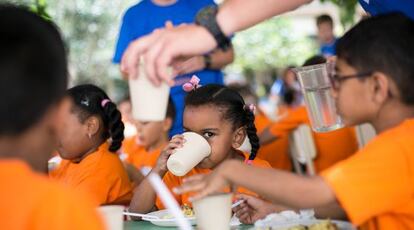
{"type": "Point", "coordinates": [375, 7]}
{"type": "Point", "coordinates": [142, 18]}
{"type": "Point", "coordinates": [328, 49]}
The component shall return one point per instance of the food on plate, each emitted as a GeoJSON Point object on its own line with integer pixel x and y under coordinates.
{"type": "Point", "coordinates": [186, 209]}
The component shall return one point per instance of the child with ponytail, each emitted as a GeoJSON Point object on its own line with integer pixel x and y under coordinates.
{"type": "Point", "coordinates": [221, 116]}
{"type": "Point", "coordinates": [92, 135]}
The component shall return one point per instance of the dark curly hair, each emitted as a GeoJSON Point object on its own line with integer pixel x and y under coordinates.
{"type": "Point", "coordinates": [232, 106]}
{"type": "Point", "coordinates": [88, 102]}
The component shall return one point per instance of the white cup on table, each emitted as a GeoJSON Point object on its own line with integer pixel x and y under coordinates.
{"type": "Point", "coordinates": [213, 212]}
{"type": "Point", "coordinates": [112, 216]}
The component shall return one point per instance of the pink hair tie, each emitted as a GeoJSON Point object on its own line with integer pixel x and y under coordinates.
{"type": "Point", "coordinates": [250, 107]}
{"type": "Point", "coordinates": [248, 162]}
{"type": "Point", "coordinates": [104, 102]}
{"type": "Point", "coordinates": [192, 84]}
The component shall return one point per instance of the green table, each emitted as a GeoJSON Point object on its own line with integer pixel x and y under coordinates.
{"type": "Point", "coordinates": [130, 225]}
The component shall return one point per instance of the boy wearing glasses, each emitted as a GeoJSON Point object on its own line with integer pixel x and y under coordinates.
{"type": "Point", "coordinates": [373, 188]}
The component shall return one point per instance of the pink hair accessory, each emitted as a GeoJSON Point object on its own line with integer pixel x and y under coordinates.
{"type": "Point", "coordinates": [104, 102]}
{"type": "Point", "coordinates": [250, 107]}
{"type": "Point", "coordinates": [248, 162]}
{"type": "Point", "coordinates": [192, 84]}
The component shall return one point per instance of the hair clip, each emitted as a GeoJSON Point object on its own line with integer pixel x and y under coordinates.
{"type": "Point", "coordinates": [192, 84]}
{"type": "Point", "coordinates": [85, 102]}
{"type": "Point", "coordinates": [104, 102]}
{"type": "Point", "coordinates": [250, 107]}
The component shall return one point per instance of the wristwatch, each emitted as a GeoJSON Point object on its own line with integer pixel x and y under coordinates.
{"type": "Point", "coordinates": [207, 61]}
{"type": "Point", "coordinates": [206, 18]}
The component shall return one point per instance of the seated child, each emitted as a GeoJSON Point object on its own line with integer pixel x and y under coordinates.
{"type": "Point", "coordinates": [220, 115]}
{"type": "Point", "coordinates": [33, 76]}
{"type": "Point", "coordinates": [93, 132]}
{"type": "Point", "coordinates": [143, 149]}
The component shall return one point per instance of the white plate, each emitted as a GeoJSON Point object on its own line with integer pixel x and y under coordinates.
{"type": "Point", "coordinates": [342, 225]}
{"type": "Point", "coordinates": [166, 222]}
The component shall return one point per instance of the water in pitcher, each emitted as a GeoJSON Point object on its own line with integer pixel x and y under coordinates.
{"type": "Point", "coordinates": [321, 109]}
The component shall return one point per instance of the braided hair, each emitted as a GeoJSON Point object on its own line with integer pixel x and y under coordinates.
{"type": "Point", "coordinates": [233, 107]}
{"type": "Point", "coordinates": [90, 100]}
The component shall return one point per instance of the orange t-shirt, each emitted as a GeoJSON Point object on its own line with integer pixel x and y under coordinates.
{"type": "Point", "coordinates": [31, 201]}
{"type": "Point", "coordinates": [375, 186]}
{"type": "Point", "coordinates": [331, 146]}
{"type": "Point", "coordinates": [173, 181]}
{"type": "Point", "coordinates": [101, 175]}
{"type": "Point", "coordinates": [138, 156]}
{"type": "Point", "coordinates": [276, 152]}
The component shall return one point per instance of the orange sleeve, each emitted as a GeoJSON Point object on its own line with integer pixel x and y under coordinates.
{"type": "Point", "coordinates": [291, 121]}
{"type": "Point", "coordinates": [373, 181]}
{"type": "Point", "coordinates": [66, 211]}
{"type": "Point", "coordinates": [171, 182]}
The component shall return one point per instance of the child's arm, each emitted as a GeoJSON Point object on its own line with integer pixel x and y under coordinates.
{"type": "Point", "coordinates": [144, 197]}
{"type": "Point", "coordinates": [133, 173]}
{"type": "Point", "coordinates": [284, 126]}
{"type": "Point", "coordinates": [280, 187]}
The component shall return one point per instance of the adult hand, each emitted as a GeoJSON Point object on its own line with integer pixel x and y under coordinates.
{"type": "Point", "coordinates": [160, 48]}
{"type": "Point", "coordinates": [189, 65]}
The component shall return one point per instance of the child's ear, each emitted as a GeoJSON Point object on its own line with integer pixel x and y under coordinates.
{"type": "Point", "coordinates": [239, 136]}
{"type": "Point", "coordinates": [92, 125]}
{"type": "Point", "coordinates": [168, 122]}
{"type": "Point", "coordinates": [381, 87]}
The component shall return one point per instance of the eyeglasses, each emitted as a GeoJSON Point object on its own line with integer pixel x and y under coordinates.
{"type": "Point", "coordinates": [337, 79]}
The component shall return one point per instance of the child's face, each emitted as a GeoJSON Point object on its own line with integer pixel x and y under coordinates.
{"type": "Point", "coordinates": [126, 110]}
{"type": "Point", "coordinates": [150, 133]}
{"type": "Point", "coordinates": [208, 121]}
{"type": "Point", "coordinates": [353, 96]}
{"type": "Point", "coordinates": [325, 32]}
{"type": "Point", "coordinates": [73, 138]}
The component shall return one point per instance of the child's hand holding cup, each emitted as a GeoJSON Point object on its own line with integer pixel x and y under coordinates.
{"type": "Point", "coordinates": [184, 158]}
{"type": "Point", "coordinates": [176, 141]}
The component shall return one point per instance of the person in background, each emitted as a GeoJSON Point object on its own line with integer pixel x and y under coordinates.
{"type": "Point", "coordinates": [326, 37]}
{"type": "Point", "coordinates": [276, 152]}
{"type": "Point", "coordinates": [33, 78]}
{"type": "Point", "coordinates": [125, 107]}
{"type": "Point", "coordinates": [143, 149]}
{"type": "Point", "coordinates": [331, 147]}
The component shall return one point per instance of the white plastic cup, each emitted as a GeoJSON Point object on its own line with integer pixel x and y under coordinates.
{"type": "Point", "coordinates": [320, 105]}
{"type": "Point", "coordinates": [213, 212]}
{"type": "Point", "coordinates": [149, 102]}
{"type": "Point", "coordinates": [112, 216]}
{"type": "Point", "coordinates": [194, 150]}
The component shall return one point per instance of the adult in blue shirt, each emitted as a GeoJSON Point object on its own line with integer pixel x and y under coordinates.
{"type": "Point", "coordinates": [375, 7]}
{"type": "Point", "coordinates": [148, 15]}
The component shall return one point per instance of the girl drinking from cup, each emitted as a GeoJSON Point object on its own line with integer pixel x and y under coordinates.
{"type": "Point", "coordinates": [218, 114]}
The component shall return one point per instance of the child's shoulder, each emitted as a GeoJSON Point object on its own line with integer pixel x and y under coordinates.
{"type": "Point", "coordinates": [390, 143]}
